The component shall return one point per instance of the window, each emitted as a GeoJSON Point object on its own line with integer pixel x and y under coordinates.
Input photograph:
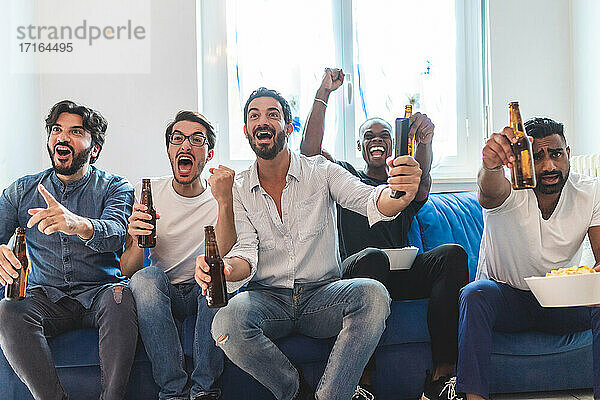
{"type": "Point", "coordinates": [427, 53]}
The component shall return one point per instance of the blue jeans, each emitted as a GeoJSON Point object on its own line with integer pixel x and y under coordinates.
{"type": "Point", "coordinates": [158, 303]}
{"type": "Point", "coordinates": [354, 310]}
{"type": "Point", "coordinates": [26, 324]}
{"type": "Point", "coordinates": [487, 306]}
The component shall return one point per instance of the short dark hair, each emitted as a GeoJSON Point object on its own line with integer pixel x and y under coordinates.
{"type": "Point", "coordinates": [371, 121]}
{"type": "Point", "coordinates": [93, 121]}
{"type": "Point", "coordinates": [541, 127]}
{"type": "Point", "coordinates": [193, 116]}
{"type": "Point", "coordinates": [264, 92]}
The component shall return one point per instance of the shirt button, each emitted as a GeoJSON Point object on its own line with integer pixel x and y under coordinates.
{"type": "Point", "coordinates": [66, 259]}
{"type": "Point", "coordinates": [64, 240]}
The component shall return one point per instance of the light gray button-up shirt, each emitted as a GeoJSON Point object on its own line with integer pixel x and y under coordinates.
{"type": "Point", "coordinates": [302, 245]}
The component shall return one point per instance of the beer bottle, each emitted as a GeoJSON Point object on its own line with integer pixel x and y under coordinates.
{"type": "Point", "coordinates": [404, 145]}
{"type": "Point", "coordinates": [216, 295]}
{"type": "Point", "coordinates": [412, 142]}
{"type": "Point", "coordinates": [146, 241]}
{"type": "Point", "coordinates": [523, 171]}
{"type": "Point", "coordinates": [17, 289]}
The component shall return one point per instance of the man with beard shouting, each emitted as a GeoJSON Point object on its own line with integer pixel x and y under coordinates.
{"type": "Point", "coordinates": [76, 219]}
{"type": "Point", "coordinates": [165, 290]}
{"type": "Point", "coordinates": [284, 207]}
{"type": "Point", "coordinates": [526, 233]}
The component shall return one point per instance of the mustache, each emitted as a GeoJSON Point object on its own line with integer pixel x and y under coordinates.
{"type": "Point", "coordinates": [551, 174]}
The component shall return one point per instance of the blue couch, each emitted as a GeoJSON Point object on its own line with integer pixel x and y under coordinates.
{"type": "Point", "coordinates": [520, 362]}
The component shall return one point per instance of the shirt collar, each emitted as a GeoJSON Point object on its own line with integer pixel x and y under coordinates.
{"type": "Point", "coordinates": [294, 171]}
{"type": "Point", "coordinates": [71, 185]}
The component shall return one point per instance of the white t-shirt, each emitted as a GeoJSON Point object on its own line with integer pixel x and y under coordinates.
{"type": "Point", "coordinates": [180, 229]}
{"type": "Point", "coordinates": [517, 242]}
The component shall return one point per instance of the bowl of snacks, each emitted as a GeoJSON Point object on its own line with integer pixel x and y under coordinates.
{"type": "Point", "coordinates": [402, 258]}
{"type": "Point", "coordinates": [566, 287]}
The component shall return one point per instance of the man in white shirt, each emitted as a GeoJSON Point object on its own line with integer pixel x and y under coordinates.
{"type": "Point", "coordinates": [166, 290]}
{"type": "Point", "coordinates": [526, 233]}
{"type": "Point", "coordinates": [284, 208]}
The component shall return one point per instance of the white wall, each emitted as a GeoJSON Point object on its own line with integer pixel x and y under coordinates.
{"type": "Point", "coordinates": [21, 134]}
{"type": "Point", "coordinates": [586, 76]}
{"type": "Point", "coordinates": [530, 60]}
{"type": "Point", "coordinates": [137, 106]}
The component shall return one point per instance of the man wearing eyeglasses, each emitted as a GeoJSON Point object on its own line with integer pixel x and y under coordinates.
{"type": "Point", "coordinates": [165, 290]}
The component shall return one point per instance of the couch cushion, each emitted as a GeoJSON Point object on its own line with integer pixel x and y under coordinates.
{"type": "Point", "coordinates": [407, 323]}
{"type": "Point", "coordinates": [451, 218]}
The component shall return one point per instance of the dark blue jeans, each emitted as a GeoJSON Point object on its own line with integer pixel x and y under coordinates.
{"type": "Point", "coordinates": [158, 303]}
{"type": "Point", "coordinates": [487, 306]}
{"type": "Point", "coordinates": [27, 323]}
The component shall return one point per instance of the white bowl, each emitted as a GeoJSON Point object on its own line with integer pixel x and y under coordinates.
{"type": "Point", "coordinates": [566, 290]}
{"type": "Point", "coordinates": [401, 258]}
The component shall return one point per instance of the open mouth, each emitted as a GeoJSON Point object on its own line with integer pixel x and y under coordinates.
{"type": "Point", "coordinates": [185, 164]}
{"type": "Point", "coordinates": [377, 152]}
{"type": "Point", "coordinates": [264, 135]}
{"type": "Point", "coordinates": [63, 152]}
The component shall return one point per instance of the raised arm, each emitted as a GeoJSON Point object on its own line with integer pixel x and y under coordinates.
{"type": "Point", "coordinates": [312, 138]}
{"type": "Point", "coordinates": [221, 183]}
{"type": "Point", "coordinates": [421, 128]}
{"type": "Point", "coordinates": [494, 188]}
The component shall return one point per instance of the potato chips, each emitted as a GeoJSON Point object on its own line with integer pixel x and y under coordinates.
{"type": "Point", "coordinates": [571, 271]}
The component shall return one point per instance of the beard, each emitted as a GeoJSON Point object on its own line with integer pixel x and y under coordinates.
{"type": "Point", "coordinates": [78, 160]}
{"type": "Point", "coordinates": [551, 189]}
{"type": "Point", "coordinates": [267, 153]}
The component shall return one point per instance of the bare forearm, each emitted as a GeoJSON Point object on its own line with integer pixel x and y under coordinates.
{"type": "Point", "coordinates": [132, 258]}
{"type": "Point", "coordinates": [225, 229]}
{"type": "Point", "coordinates": [390, 207]}
{"type": "Point", "coordinates": [424, 155]}
{"type": "Point", "coordinates": [240, 269]}
{"type": "Point", "coordinates": [494, 188]}
{"type": "Point", "coordinates": [312, 138]}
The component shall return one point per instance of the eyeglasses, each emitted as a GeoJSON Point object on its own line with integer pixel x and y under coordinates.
{"type": "Point", "coordinates": [196, 139]}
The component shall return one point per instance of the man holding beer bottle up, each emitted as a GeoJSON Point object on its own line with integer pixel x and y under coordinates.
{"type": "Point", "coordinates": [75, 217]}
{"type": "Point", "coordinates": [526, 233]}
{"type": "Point", "coordinates": [438, 274]}
{"type": "Point", "coordinates": [284, 216]}
{"type": "Point", "coordinates": [166, 290]}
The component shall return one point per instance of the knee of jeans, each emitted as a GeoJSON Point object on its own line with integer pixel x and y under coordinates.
{"type": "Point", "coordinates": [375, 258]}
{"type": "Point", "coordinates": [119, 302]}
{"type": "Point", "coordinates": [458, 267]}
{"type": "Point", "coordinates": [474, 293]}
{"type": "Point", "coordinates": [11, 314]}
{"type": "Point", "coordinates": [374, 297]}
{"type": "Point", "coordinates": [146, 282]}
{"type": "Point", "coordinates": [227, 326]}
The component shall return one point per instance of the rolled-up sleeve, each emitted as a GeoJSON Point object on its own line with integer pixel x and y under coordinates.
{"type": "Point", "coordinates": [246, 246]}
{"type": "Point", "coordinates": [349, 192]}
{"type": "Point", "coordinates": [110, 230]}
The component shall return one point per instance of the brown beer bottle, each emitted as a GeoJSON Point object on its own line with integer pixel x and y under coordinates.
{"type": "Point", "coordinates": [216, 295]}
{"type": "Point", "coordinates": [412, 142]}
{"type": "Point", "coordinates": [523, 171]}
{"type": "Point", "coordinates": [17, 289]}
{"type": "Point", "coordinates": [146, 241]}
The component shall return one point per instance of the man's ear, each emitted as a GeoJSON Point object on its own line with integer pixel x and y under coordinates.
{"type": "Point", "coordinates": [289, 128]}
{"type": "Point", "coordinates": [568, 152]}
{"type": "Point", "coordinates": [95, 150]}
{"type": "Point", "coordinates": [358, 144]}
{"type": "Point", "coordinates": [245, 132]}
{"type": "Point", "coordinates": [210, 155]}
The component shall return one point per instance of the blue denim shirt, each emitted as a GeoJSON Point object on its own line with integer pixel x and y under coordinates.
{"type": "Point", "coordinates": [66, 265]}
